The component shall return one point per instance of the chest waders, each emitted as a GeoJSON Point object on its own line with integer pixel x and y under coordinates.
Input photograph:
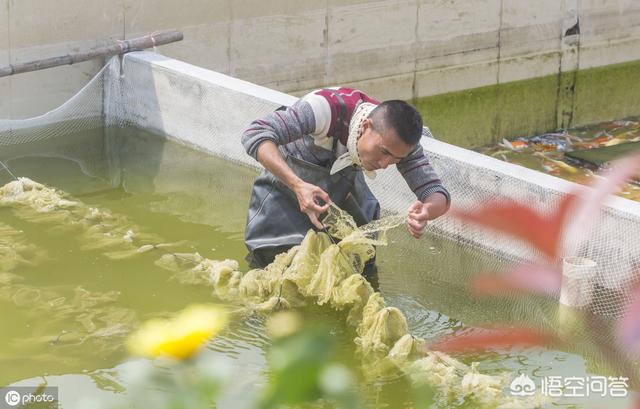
{"type": "Point", "coordinates": [275, 222]}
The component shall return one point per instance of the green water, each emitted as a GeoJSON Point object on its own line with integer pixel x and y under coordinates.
{"type": "Point", "coordinates": [485, 115]}
{"type": "Point", "coordinates": [66, 316]}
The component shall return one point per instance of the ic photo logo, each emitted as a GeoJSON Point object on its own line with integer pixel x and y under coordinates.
{"type": "Point", "coordinates": [12, 398]}
{"type": "Point", "coordinates": [17, 396]}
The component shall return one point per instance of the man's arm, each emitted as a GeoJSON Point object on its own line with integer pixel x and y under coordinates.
{"type": "Point", "coordinates": [261, 140]}
{"type": "Point", "coordinates": [306, 193]}
{"type": "Point", "coordinates": [421, 178]}
{"type": "Point", "coordinates": [433, 198]}
{"type": "Point", "coordinates": [438, 205]}
{"type": "Point", "coordinates": [279, 127]}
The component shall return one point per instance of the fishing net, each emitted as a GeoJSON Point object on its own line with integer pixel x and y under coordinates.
{"type": "Point", "coordinates": [148, 91]}
{"type": "Point", "coordinates": [100, 229]}
{"type": "Point", "coordinates": [332, 275]}
{"type": "Point", "coordinates": [89, 316]}
{"type": "Point", "coordinates": [15, 249]}
{"type": "Point", "coordinates": [318, 270]}
{"type": "Point", "coordinates": [208, 111]}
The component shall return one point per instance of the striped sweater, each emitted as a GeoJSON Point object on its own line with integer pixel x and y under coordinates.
{"type": "Point", "coordinates": [307, 130]}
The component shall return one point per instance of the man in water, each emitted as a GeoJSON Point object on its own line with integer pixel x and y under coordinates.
{"type": "Point", "coordinates": [318, 151]}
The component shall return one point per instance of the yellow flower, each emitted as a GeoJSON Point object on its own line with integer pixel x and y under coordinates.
{"type": "Point", "coordinates": [181, 336]}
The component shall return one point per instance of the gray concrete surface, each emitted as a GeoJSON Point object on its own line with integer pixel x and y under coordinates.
{"type": "Point", "coordinates": [391, 49]}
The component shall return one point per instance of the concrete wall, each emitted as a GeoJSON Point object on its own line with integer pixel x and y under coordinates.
{"type": "Point", "coordinates": [402, 48]}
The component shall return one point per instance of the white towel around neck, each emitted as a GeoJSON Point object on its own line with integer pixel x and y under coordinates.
{"type": "Point", "coordinates": [351, 156]}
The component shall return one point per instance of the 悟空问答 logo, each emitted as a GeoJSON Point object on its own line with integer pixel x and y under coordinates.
{"type": "Point", "coordinates": [523, 386]}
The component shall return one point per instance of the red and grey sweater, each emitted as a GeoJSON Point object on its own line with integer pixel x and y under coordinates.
{"type": "Point", "coordinates": [308, 128]}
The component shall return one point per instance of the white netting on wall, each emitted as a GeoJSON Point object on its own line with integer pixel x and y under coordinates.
{"type": "Point", "coordinates": [60, 132]}
{"type": "Point", "coordinates": [475, 180]}
{"type": "Point", "coordinates": [84, 111]}
{"type": "Point", "coordinates": [208, 111]}
{"type": "Point", "coordinates": [196, 107]}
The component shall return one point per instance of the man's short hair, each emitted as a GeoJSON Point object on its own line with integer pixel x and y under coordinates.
{"type": "Point", "coordinates": [398, 115]}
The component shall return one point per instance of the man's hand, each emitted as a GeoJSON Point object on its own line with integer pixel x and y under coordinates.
{"type": "Point", "coordinates": [307, 195]}
{"type": "Point", "coordinates": [417, 218]}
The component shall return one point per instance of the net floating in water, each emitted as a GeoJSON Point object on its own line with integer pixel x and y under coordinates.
{"type": "Point", "coordinates": [329, 274]}
{"type": "Point", "coordinates": [100, 229]}
{"type": "Point", "coordinates": [317, 270]}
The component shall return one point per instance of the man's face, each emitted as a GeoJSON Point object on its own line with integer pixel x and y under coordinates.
{"type": "Point", "coordinates": [378, 150]}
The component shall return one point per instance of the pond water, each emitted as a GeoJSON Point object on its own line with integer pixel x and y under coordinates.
{"type": "Point", "coordinates": [575, 154]}
{"type": "Point", "coordinates": [68, 307]}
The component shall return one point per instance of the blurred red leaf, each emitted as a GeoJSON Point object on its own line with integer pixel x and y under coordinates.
{"type": "Point", "coordinates": [541, 231]}
{"type": "Point", "coordinates": [544, 232]}
{"type": "Point", "coordinates": [536, 278]}
{"type": "Point", "coordinates": [488, 339]}
{"type": "Point", "coordinates": [590, 201]}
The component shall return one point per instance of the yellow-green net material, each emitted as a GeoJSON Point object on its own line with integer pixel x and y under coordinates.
{"type": "Point", "coordinates": [100, 229]}
{"type": "Point", "coordinates": [326, 273]}
{"type": "Point", "coordinates": [319, 271]}
{"type": "Point", "coordinates": [15, 250]}
{"type": "Point", "coordinates": [94, 317]}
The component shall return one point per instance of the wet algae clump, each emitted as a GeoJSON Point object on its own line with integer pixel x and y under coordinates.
{"type": "Point", "coordinates": [318, 271]}
{"type": "Point", "coordinates": [323, 272]}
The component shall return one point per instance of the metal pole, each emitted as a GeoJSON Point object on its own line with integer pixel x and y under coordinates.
{"type": "Point", "coordinates": [120, 47]}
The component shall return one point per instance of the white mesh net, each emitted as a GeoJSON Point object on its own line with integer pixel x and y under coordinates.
{"type": "Point", "coordinates": [611, 242]}
{"type": "Point", "coordinates": [208, 111]}
{"type": "Point", "coordinates": [84, 111]}
{"type": "Point", "coordinates": [158, 94]}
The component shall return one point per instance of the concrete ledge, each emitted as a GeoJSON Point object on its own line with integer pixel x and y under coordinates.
{"type": "Point", "coordinates": [192, 105]}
